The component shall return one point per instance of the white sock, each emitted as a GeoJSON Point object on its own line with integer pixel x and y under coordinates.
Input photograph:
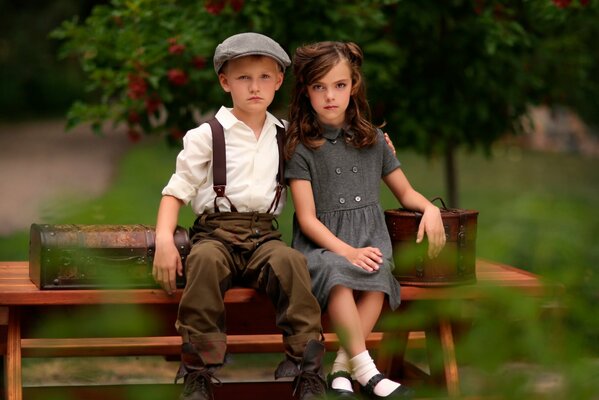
{"type": "Point", "coordinates": [341, 363]}
{"type": "Point", "coordinates": [364, 369]}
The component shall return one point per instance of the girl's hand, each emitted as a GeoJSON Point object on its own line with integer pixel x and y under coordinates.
{"type": "Point", "coordinates": [367, 258]}
{"type": "Point", "coordinates": [432, 225]}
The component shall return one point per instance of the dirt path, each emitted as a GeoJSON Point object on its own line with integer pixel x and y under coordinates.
{"type": "Point", "coordinates": [40, 162]}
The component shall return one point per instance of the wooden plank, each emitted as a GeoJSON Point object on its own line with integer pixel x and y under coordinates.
{"type": "Point", "coordinates": [450, 364]}
{"type": "Point", "coordinates": [171, 345]}
{"type": "Point", "coordinates": [280, 390]}
{"type": "Point", "coordinates": [24, 292]}
{"type": "Point", "coordinates": [12, 365]}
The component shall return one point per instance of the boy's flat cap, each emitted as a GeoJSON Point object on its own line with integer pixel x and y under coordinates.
{"type": "Point", "coordinates": [247, 44]}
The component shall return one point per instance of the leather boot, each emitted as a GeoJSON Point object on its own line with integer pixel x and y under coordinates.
{"type": "Point", "coordinates": [197, 377]}
{"type": "Point", "coordinates": [309, 384]}
{"type": "Point", "coordinates": [197, 385]}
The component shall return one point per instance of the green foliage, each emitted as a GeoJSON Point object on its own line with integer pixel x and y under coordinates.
{"type": "Point", "coordinates": [443, 74]}
{"type": "Point", "coordinates": [148, 62]}
{"type": "Point", "coordinates": [32, 82]}
{"type": "Point", "coordinates": [468, 71]}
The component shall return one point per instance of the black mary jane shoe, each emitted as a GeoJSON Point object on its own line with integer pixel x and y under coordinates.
{"type": "Point", "coordinates": [401, 392]}
{"type": "Point", "coordinates": [340, 393]}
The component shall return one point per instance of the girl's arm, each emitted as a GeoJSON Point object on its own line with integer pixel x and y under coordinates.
{"type": "Point", "coordinates": [367, 258]}
{"type": "Point", "coordinates": [431, 222]}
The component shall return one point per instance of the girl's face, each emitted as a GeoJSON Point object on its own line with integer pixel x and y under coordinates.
{"type": "Point", "coordinates": [330, 95]}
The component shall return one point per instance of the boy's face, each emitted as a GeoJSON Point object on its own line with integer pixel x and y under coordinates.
{"type": "Point", "coordinates": [252, 82]}
{"type": "Point", "coordinates": [330, 95]}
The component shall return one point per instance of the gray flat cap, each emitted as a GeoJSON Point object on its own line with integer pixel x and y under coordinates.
{"type": "Point", "coordinates": [246, 44]}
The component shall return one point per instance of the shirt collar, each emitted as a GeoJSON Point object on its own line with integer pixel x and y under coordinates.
{"type": "Point", "coordinates": [332, 133]}
{"type": "Point", "coordinates": [227, 119]}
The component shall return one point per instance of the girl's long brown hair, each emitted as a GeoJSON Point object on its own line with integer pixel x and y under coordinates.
{"type": "Point", "coordinates": [310, 63]}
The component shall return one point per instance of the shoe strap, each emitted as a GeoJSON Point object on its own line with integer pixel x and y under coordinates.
{"type": "Point", "coordinates": [339, 374]}
{"type": "Point", "coordinates": [369, 387]}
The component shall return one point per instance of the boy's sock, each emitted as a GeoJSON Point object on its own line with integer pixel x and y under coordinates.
{"type": "Point", "coordinates": [364, 369]}
{"type": "Point", "coordinates": [341, 363]}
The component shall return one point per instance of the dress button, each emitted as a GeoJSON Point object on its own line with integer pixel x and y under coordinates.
{"type": "Point", "coordinates": [358, 198]}
{"type": "Point", "coordinates": [334, 141]}
{"type": "Point", "coordinates": [354, 169]}
{"type": "Point", "coordinates": [338, 171]}
{"type": "Point", "coordinates": [341, 200]}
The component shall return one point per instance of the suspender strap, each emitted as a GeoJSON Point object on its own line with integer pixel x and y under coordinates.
{"type": "Point", "coordinates": [281, 173]}
{"type": "Point", "coordinates": [219, 165]}
{"type": "Point", "coordinates": [219, 162]}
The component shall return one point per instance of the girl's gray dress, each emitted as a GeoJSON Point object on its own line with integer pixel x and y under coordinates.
{"type": "Point", "coordinates": [346, 186]}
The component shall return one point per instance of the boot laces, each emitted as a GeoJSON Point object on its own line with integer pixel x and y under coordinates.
{"type": "Point", "coordinates": [200, 381]}
{"type": "Point", "coordinates": [307, 383]}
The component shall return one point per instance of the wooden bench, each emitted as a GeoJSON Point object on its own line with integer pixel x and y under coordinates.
{"type": "Point", "coordinates": [25, 311]}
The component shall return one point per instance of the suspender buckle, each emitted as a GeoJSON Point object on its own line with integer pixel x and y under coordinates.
{"type": "Point", "coordinates": [219, 189]}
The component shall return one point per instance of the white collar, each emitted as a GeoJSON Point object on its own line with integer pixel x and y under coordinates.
{"type": "Point", "coordinates": [227, 119]}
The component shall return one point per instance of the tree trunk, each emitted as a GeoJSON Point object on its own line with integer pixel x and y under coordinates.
{"type": "Point", "coordinates": [451, 176]}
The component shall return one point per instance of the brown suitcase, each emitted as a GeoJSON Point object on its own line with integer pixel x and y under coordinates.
{"type": "Point", "coordinates": [455, 264]}
{"type": "Point", "coordinates": [96, 256]}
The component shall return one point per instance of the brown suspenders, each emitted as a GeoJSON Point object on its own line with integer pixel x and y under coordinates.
{"type": "Point", "coordinates": [219, 165]}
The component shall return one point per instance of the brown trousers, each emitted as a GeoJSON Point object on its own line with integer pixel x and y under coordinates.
{"type": "Point", "coordinates": [243, 249]}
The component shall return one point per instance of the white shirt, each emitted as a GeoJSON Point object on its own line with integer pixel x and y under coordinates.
{"type": "Point", "coordinates": [252, 166]}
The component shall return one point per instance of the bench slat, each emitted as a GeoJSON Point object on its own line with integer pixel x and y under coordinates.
{"type": "Point", "coordinates": [18, 289]}
{"type": "Point", "coordinates": [171, 345]}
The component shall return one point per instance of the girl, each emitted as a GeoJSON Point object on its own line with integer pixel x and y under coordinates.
{"type": "Point", "coordinates": [336, 160]}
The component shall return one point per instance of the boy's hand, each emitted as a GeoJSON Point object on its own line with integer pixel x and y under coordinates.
{"type": "Point", "coordinates": [167, 264]}
{"type": "Point", "coordinates": [389, 143]}
{"type": "Point", "coordinates": [432, 225]}
{"type": "Point", "coordinates": [367, 258]}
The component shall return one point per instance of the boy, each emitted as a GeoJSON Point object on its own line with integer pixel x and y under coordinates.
{"type": "Point", "coordinates": [234, 241]}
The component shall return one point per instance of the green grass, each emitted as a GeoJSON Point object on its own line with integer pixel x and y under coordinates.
{"type": "Point", "coordinates": [537, 211]}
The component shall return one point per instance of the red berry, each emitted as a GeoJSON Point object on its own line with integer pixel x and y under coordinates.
{"type": "Point", "coordinates": [137, 87]}
{"type": "Point", "coordinates": [479, 6]}
{"type": "Point", "coordinates": [562, 3]}
{"type": "Point", "coordinates": [152, 104]}
{"type": "Point", "coordinates": [214, 7]}
{"type": "Point", "coordinates": [134, 135]}
{"type": "Point", "coordinates": [176, 48]}
{"type": "Point", "coordinates": [177, 133]}
{"type": "Point", "coordinates": [198, 62]}
{"type": "Point", "coordinates": [237, 5]}
{"type": "Point", "coordinates": [133, 117]}
{"type": "Point", "coordinates": [177, 77]}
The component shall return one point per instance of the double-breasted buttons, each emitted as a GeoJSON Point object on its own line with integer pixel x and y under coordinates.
{"type": "Point", "coordinates": [354, 169]}
{"type": "Point", "coordinates": [338, 171]}
{"type": "Point", "coordinates": [358, 198]}
{"type": "Point", "coordinates": [341, 200]}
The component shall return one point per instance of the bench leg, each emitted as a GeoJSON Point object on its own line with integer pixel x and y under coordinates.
{"type": "Point", "coordinates": [12, 360]}
{"type": "Point", "coordinates": [442, 358]}
{"type": "Point", "coordinates": [392, 365]}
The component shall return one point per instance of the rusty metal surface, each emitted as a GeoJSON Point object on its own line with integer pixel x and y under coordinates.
{"type": "Point", "coordinates": [96, 256]}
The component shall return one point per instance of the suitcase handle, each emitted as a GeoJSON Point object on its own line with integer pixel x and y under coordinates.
{"type": "Point", "coordinates": [441, 200]}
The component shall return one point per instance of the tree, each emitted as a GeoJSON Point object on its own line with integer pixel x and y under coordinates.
{"type": "Point", "coordinates": [443, 75]}
{"type": "Point", "coordinates": [468, 71]}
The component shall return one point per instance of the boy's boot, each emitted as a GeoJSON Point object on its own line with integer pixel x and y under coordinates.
{"type": "Point", "coordinates": [309, 384]}
{"type": "Point", "coordinates": [197, 377]}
